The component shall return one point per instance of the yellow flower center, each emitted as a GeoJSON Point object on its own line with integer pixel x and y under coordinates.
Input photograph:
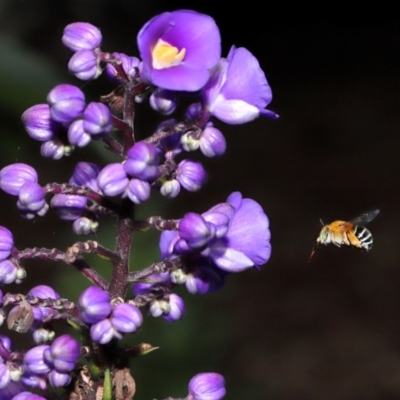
{"type": "Point", "coordinates": [164, 55]}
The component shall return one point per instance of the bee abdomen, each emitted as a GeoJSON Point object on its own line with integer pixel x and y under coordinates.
{"type": "Point", "coordinates": [364, 236]}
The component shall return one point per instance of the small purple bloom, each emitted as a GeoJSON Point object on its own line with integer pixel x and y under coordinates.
{"type": "Point", "coordinates": [171, 308]}
{"type": "Point", "coordinates": [8, 272]}
{"type": "Point", "coordinates": [38, 123]}
{"type": "Point", "coordinates": [142, 162]}
{"type": "Point", "coordinates": [81, 36]}
{"type": "Point", "coordinates": [43, 292]}
{"type": "Point", "coordinates": [67, 102]}
{"type": "Point", "coordinates": [138, 191]}
{"type": "Point", "coordinates": [207, 386]}
{"type": "Point", "coordinates": [53, 149]}
{"type": "Point", "coordinates": [77, 135]}
{"type": "Point", "coordinates": [6, 242]}
{"type": "Point", "coordinates": [193, 111]}
{"type": "Point", "coordinates": [68, 207]}
{"type": "Point", "coordinates": [152, 281]}
{"type": "Point", "coordinates": [97, 119]}
{"type": "Point", "coordinates": [84, 65]}
{"type": "Point", "coordinates": [178, 49]}
{"type": "Point", "coordinates": [94, 305]}
{"type": "Point", "coordinates": [113, 180]}
{"type": "Point", "coordinates": [14, 176]}
{"type": "Point", "coordinates": [212, 142]}
{"type": "Point", "coordinates": [126, 318]}
{"type": "Point", "coordinates": [27, 396]}
{"type": "Point", "coordinates": [191, 175]}
{"type": "Point", "coordinates": [238, 91]}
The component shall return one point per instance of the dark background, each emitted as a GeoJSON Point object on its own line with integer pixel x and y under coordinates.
{"type": "Point", "coordinates": [325, 330]}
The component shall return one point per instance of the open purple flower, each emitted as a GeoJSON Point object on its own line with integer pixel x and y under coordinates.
{"type": "Point", "coordinates": [238, 91]}
{"type": "Point", "coordinates": [242, 243]}
{"type": "Point", "coordinates": [178, 49]}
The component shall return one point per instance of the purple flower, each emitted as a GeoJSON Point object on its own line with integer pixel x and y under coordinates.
{"type": "Point", "coordinates": [84, 65]}
{"type": "Point", "coordinates": [238, 91]}
{"type": "Point", "coordinates": [170, 188]}
{"type": "Point", "coordinates": [113, 180]}
{"type": "Point", "coordinates": [59, 379]}
{"type": "Point", "coordinates": [178, 50]}
{"type": "Point", "coordinates": [68, 207]}
{"type": "Point", "coordinates": [203, 279]}
{"type": "Point", "coordinates": [207, 386]}
{"type": "Point", "coordinates": [94, 305]}
{"type": "Point", "coordinates": [81, 36]}
{"type": "Point", "coordinates": [142, 162]}
{"type": "Point", "coordinates": [6, 242]}
{"type": "Point", "coordinates": [194, 229]}
{"type": "Point", "coordinates": [241, 244]}
{"type": "Point", "coordinates": [191, 175]}
{"type": "Point", "coordinates": [67, 102]}
{"type": "Point", "coordinates": [38, 123]}
{"type": "Point", "coordinates": [5, 377]}
{"type": "Point", "coordinates": [97, 119]}
{"type": "Point", "coordinates": [14, 176]}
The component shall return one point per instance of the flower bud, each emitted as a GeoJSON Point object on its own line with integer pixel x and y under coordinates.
{"type": "Point", "coordinates": [14, 176]}
{"type": "Point", "coordinates": [53, 149]}
{"type": "Point", "coordinates": [31, 197]}
{"type": "Point", "coordinates": [142, 162]}
{"type": "Point", "coordinates": [94, 305]}
{"type": "Point", "coordinates": [8, 272]}
{"type": "Point", "coordinates": [170, 188]}
{"type": "Point", "coordinates": [207, 386]}
{"type": "Point", "coordinates": [126, 318]}
{"type": "Point", "coordinates": [85, 226]}
{"type": "Point", "coordinates": [129, 65]}
{"type": "Point", "coordinates": [191, 175]}
{"type": "Point", "coordinates": [34, 361]}
{"type": "Point", "coordinates": [67, 102]}
{"type": "Point", "coordinates": [193, 111]}
{"type": "Point", "coordinates": [67, 206]}
{"type": "Point", "coordinates": [112, 179]}
{"type": "Point", "coordinates": [97, 119]}
{"type": "Point", "coordinates": [163, 101]}
{"type": "Point", "coordinates": [85, 174]}
{"type": "Point", "coordinates": [195, 231]}
{"type": "Point", "coordinates": [84, 65]}
{"type": "Point", "coordinates": [81, 36]}
{"type": "Point", "coordinates": [212, 142]}
{"type": "Point", "coordinates": [138, 191]}
{"type": "Point", "coordinates": [59, 379]}
{"type": "Point", "coordinates": [27, 396]}
{"type": "Point", "coordinates": [6, 242]}
{"type": "Point", "coordinates": [38, 123]}
{"type": "Point", "coordinates": [63, 353]}
{"type": "Point", "coordinates": [77, 135]}
{"type": "Point", "coordinates": [102, 332]}
{"type": "Point", "coordinates": [4, 376]}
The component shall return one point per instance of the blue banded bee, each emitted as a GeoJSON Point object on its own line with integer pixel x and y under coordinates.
{"type": "Point", "coordinates": [350, 233]}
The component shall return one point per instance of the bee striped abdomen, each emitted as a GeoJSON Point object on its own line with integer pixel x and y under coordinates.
{"type": "Point", "coordinates": [364, 236]}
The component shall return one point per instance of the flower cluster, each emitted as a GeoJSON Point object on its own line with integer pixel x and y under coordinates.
{"type": "Point", "coordinates": [179, 54]}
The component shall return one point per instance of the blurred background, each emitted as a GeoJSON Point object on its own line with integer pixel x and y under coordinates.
{"type": "Point", "coordinates": [325, 330]}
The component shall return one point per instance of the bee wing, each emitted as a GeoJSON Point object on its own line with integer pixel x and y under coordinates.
{"type": "Point", "coordinates": [365, 218]}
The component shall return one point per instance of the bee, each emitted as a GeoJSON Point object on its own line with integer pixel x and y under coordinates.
{"type": "Point", "coordinates": [350, 233]}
